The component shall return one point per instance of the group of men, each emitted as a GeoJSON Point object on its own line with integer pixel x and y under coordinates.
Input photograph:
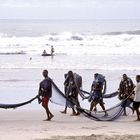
{"type": "Point", "coordinates": [73, 85]}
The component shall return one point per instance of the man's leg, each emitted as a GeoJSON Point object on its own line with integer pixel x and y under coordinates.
{"type": "Point", "coordinates": [73, 112]}
{"type": "Point", "coordinates": [49, 114]}
{"type": "Point", "coordinates": [78, 106]}
{"type": "Point", "coordinates": [138, 114]}
{"type": "Point", "coordinates": [65, 110]}
{"type": "Point", "coordinates": [93, 104]}
{"type": "Point", "coordinates": [124, 108]}
{"type": "Point", "coordinates": [103, 107]}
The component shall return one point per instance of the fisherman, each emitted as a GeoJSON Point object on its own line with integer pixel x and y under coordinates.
{"type": "Point", "coordinates": [66, 90]}
{"type": "Point", "coordinates": [125, 89]}
{"type": "Point", "coordinates": [98, 88]}
{"type": "Point", "coordinates": [45, 93]}
{"type": "Point", "coordinates": [44, 52]}
{"type": "Point", "coordinates": [52, 50]}
{"type": "Point", "coordinates": [72, 84]}
{"type": "Point", "coordinates": [136, 103]}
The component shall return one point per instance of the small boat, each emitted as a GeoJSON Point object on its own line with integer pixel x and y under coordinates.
{"type": "Point", "coordinates": [47, 54]}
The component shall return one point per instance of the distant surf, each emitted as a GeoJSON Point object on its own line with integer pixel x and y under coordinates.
{"type": "Point", "coordinates": [83, 44]}
{"type": "Point", "coordinates": [73, 43]}
{"type": "Point", "coordinates": [136, 32]}
{"type": "Point", "coordinates": [13, 53]}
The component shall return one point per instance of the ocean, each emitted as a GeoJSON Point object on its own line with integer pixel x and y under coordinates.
{"type": "Point", "coordinates": [79, 44]}
{"type": "Point", "coordinates": [85, 46]}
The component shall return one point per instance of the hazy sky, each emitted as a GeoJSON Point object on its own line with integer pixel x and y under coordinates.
{"type": "Point", "coordinates": [70, 9]}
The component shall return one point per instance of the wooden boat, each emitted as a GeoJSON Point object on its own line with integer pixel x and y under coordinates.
{"type": "Point", "coordinates": [47, 54]}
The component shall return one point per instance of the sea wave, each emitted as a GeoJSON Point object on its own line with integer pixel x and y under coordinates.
{"type": "Point", "coordinates": [13, 53]}
{"type": "Point", "coordinates": [72, 43]}
{"type": "Point", "coordinates": [136, 32]}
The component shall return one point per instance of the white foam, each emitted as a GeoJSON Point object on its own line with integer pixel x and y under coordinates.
{"type": "Point", "coordinates": [72, 51]}
{"type": "Point", "coordinates": [69, 43]}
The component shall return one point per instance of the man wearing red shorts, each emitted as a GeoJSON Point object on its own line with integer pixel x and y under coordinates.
{"type": "Point", "coordinates": [45, 93]}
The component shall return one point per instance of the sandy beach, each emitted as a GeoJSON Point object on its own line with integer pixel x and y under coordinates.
{"type": "Point", "coordinates": [18, 124]}
{"type": "Point", "coordinates": [88, 37]}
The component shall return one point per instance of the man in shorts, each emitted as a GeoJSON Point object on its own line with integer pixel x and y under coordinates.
{"type": "Point", "coordinates": [45, 93]}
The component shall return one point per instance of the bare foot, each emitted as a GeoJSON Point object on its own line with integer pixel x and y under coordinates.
{"type": "Point", "coordinates": [124, 114]}
{"type": "Point", "coordinates": [95, 109]}
{"type": "Point", "coordinates": [137, 120]}
{"type": "Point", "coordinates": [47, 119]}
{"type": "Point", "coordinates": [106, 114]}
{"type": "Point", "coordinates": [78, 113]}
{"type": "Point", "coordinates": [51, 116]}
{"type": "Point", "coordinates": [133, 111]}
{"type": "Point", "coordinates": [64, 112]}
{"type": "Point", "coordinates": [73, 114]}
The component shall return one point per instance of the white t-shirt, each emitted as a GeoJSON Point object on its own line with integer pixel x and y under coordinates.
{"type": "Point", "coordinates": [137, 92]}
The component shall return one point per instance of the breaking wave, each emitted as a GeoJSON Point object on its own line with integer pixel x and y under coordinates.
{"type": "Point", "coordinates": [70, 43]}
{"type": "Point", "coordinates": [136, 32]}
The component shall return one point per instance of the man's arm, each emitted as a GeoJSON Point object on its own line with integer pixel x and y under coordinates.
{"type": "Point", "coordinates": [120, 95]}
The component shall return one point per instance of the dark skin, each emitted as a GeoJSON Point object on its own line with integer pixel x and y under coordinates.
{"type": "Point", "coordinates": [73, 110]}
{"type": "Point", "coordinates": [126, 93]}
{"type": "Point", "coordinates": [66, 86]}
{"type": "Point", "coordinates": [137, 110]}
{"type": "Point", "coordinates": [49, 114]}
{"type": "Point", "coordinates": [125, 78]}
{"type": "Point", "coordinates": [94, 104]}
{"type": "Point", "coordinates": [66, 91]}
{"type": "Point", "coordinates": [65, 110]}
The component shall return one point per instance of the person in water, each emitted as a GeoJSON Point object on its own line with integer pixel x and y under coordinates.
{"type": "Point", "coordinates": [97, 92]}
{"type": "Point", "coordinates": [45, 93]}
{"type": "Point", "coordinates": [136, 103]}
{"type": "Point", "coordinates": [52, 49]}
{"type": "Point", "coordinates": [125, 89]}
{"type": "Point", "coordinates": [44, 52]}
{"type": "Point", "coordinates": [72, 84]}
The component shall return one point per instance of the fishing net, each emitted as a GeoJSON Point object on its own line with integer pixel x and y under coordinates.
{"type": "Point", "coordinates": [86, 95]}
{"type": "Point", "coordinates": [59, 98]}
{"type": "Point", "coordinates": [112, 113]}
{"type": "Point", "coordinates": [10, 106]}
